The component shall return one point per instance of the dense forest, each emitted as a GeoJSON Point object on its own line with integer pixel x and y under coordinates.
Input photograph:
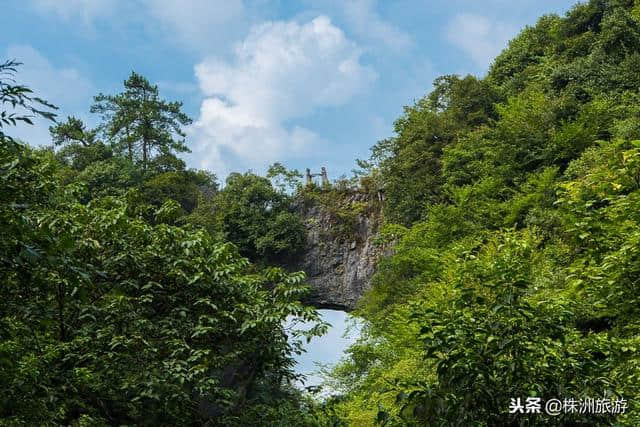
{"type": "Point", "coordinates": [136, 291]}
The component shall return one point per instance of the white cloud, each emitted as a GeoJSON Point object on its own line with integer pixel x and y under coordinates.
{"type": "Point", "coordinates": [366, 22]}
{"type": "Point", "coordinates": [65, 87]}
{"type": "Point", "coordinates": [281, 71]}
{"type": "Point", "coordinates": [479, 37]}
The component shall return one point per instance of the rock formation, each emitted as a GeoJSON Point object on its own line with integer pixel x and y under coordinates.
{"type": "Point", "coordinates": [339, 265]}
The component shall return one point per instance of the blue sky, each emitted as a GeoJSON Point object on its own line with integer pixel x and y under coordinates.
{"type": "Point", "coordinates": [307, 83]}
{"type": "Point", "coordinates": [327, 349]}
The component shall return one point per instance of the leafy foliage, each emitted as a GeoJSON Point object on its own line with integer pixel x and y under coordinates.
{"type": "Point", "coordinates": [512, 202]}
{"type": "Point", "coordinates": [112, 314]}
{"type": "Point", "coordinates": [21, 97]}
{"type": "Point", "coordinates": [140, 123]}
{"type": "Point", "coordinates": [91, 293]}
{"type": "Point", "coordinates": [258, 218]}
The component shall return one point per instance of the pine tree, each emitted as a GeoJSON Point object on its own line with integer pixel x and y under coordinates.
{"type": "Point", "coordinates": [141, 124]}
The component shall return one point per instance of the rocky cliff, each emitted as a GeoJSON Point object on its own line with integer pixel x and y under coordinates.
{"type": "Point", "coordinates": [341, 253]}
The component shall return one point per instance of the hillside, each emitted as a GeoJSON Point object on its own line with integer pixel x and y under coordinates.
{"type": "Point", "coordinates": [514, 199]}
{"type": "Point", "coordinates": [342, 245]}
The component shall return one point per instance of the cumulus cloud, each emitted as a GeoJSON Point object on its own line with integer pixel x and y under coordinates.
{"type": "Point", "coordinates": [479, 37]}
{"type": "Point", "coordinates": [281, 71]}
{"type": "Point", "coordinates": [65, 87]}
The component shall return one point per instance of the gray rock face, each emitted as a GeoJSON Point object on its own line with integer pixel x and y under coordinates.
{"type": "Point", "coordinates": [339, 267]}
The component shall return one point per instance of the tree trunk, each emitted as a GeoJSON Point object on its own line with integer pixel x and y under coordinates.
{"type": "Point", "coordinates": [144, 154]}
{"type": "Point", "coordinates": [129, 145]}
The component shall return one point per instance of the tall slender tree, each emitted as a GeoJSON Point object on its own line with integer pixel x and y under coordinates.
{"type": "Point", "coordinates": [140, 123]}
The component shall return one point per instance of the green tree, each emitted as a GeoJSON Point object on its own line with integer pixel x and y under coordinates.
{"type": "Point", "coordinates": [285, 179]}
{"type": "Point", "coordinates": [140, 123]}
{"type": "Point", "coordinates": [79, 145]}
{"type": "Point", "coordinates": [92, 293]}
{"type": "Point", "coordinates": [411, 162]}
{"type": "Point", "coordinates": [73, 132]}
{"type": "Point", "coordinates": [19, 96]}
{"type": "Point", "coordinates": [109, 319]}
{"type": "Point", "coordinates": [258, 218]}
{"type": "Point", "coordinates": [491, 344]}
{"type": "Point", "coordinates": [465, 315]}
{"type": "Point", "coordinates": [176, 186]}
